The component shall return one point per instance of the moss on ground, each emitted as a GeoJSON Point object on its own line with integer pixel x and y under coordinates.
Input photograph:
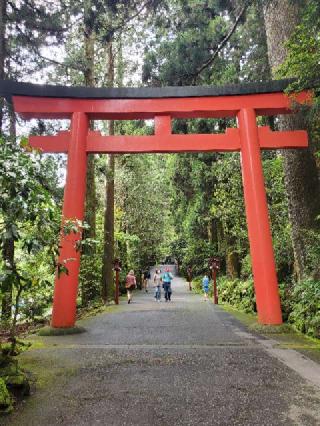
{"type": "Point", "coordinates": [51, 331]}
{"type": "Point", "coordinates": [14, 383]}
{"type": "Point", "coordinates": [271, 329]}
{"type": "Point", "coordinates": [285, 336]}
{"type": "Point", "coordinates": [35, 344]}
{"type": "Point", "coordinates": [44, 372]}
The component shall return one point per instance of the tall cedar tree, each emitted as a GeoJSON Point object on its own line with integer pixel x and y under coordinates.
{"type": "Point", "coordinates": [90, 210]}
{"type": "Point", "coordinates": [301, 176]}
{"type": "Point", "coordinates": [108, 243]}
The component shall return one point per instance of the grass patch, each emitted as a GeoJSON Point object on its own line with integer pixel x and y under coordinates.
{"type": "Point", "coordinates": [271, 329]}
{"type": "Point", "coordinates": [247, 319]}
{"type": "Point", "coordinates": [297, 345]}
{"type": "Point", "coordinates": [285, 335]}
{"type": "Point", "coordinates": [35, 344]}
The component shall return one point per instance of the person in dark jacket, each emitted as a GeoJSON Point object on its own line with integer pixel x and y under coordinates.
{"type": "Point", "coordinates": [146, 278]}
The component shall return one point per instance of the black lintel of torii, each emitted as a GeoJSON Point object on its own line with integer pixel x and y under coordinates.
{"type": "Point", "coordinates": [9, 88]}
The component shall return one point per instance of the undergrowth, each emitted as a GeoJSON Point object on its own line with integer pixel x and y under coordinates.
{"type": "Point", "coordinates": [300, 302]}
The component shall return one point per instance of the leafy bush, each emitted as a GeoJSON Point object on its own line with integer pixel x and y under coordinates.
{"type": "Point", "coordinates": [197, 286]}
{"type": "Point", "coordinates": [285, 291]}
{"type": "Point", "coordinates": [305, 307]}
{"type": "Point", "coordinates": [237, 293]}
{"type": "Point", "coordinates": [300, 304]}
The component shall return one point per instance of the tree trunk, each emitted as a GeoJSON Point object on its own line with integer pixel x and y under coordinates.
{"type": "Point", "coordinates": [3, 8]}
{"type": "Point", "coordinates": [88, 282]}
{"type": "Point", "coordinates": [301, 178]}
{"type": "Point", "coordinates": [6, 288]}
{"type": "Point", "coordinates": [8, 246]}
{"type": "Point", "coordinates": [108, 251]}
{"type": "Point", "coordinates": [232, 264]}
{"type": "Point", "coordinates": [12, 122]}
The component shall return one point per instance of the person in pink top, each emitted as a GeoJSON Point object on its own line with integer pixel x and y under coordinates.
{"type": "Point", "coordinates": [131, 284]}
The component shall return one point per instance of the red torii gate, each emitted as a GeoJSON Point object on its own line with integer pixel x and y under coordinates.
{"type": "Point", "coordinates": [80, 105]}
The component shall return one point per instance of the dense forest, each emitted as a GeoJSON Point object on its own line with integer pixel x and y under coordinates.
{"type": "Point", "coordinates": [144, 208]}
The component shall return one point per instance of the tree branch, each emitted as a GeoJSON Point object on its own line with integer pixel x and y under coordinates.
{"type": "Point", "coordinates": [222, 44]}
{"type": "Point", "coordinates": [36, 51]}
{"type": "Point", "coordinates": [130, 18]}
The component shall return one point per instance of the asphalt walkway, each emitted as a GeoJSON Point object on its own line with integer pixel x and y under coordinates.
{"type": "Point", "coordinates": [185, 362]}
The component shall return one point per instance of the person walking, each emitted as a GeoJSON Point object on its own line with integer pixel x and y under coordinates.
{"type": "Point", "coordinates": [131, 284]}
{"type": "Point", "coordinates": [166, 280]}
{"type": "Point", "coordinates": [157, 285]}
{"type": "Point", "coordinates": [205, 286]}
{"type": "Point", "coordinates": [146, 278]}
{"type": "Point", "coordinates": [189, 277]}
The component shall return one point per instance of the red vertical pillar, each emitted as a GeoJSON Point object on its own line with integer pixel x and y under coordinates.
{"type": "Point", "coordinates": [66, 285]}
{"type": "Point", "coordinates": [263, 263]}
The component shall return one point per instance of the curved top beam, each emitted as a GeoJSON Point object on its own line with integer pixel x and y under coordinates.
{"type": "Point", "coordinates": [9, 88]}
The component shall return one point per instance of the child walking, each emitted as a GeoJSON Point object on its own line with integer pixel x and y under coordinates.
{"type": "Point", "coordinates": [205, 286]}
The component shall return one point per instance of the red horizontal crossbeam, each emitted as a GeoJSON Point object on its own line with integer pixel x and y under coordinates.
{"type": "Point", "coordinates": [130, 109]}
{"type": "Point", "coordinates": [167, 142]}
{"type": "Point", "coordinates": [284, 139]}
{"type": "Point", "coordinates": [53, 143]}
{"type": "Point", "coordinates": [164, 144]}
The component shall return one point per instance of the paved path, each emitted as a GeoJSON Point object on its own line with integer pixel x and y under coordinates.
{"type": "Point", "coordinates": [184, 362]}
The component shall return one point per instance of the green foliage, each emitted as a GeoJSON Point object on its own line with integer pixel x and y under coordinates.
{"type": "Point", "coordinates": [237, 293]}
{"type": "Point", "coordinates": [5, 399]}
{"type": "Point", "coordinates": [30, 26]}
{"type": "Point", "coordinates": [278, 213]}
{"type": "Point", "coordinates": [300, 303]}
{"type": "Point", "coordinates": [305, 306]}
{"type": "Point", "coordinates": [304, 50]}
{"type": "Point", "coordinates": [227, 202]}
{"type": "Point", "coordinates": [30, 217]}
{"type": "Point", "coordinates": [313, 254]}
{"type": "Point", "coordinates": [197, 254]}
{"type": "Point", "coordinates": [193, 30]}
{"type": "Point", "coordinates": [142, 210]}
{"type": "Point", "coordinates": [13, 380]}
